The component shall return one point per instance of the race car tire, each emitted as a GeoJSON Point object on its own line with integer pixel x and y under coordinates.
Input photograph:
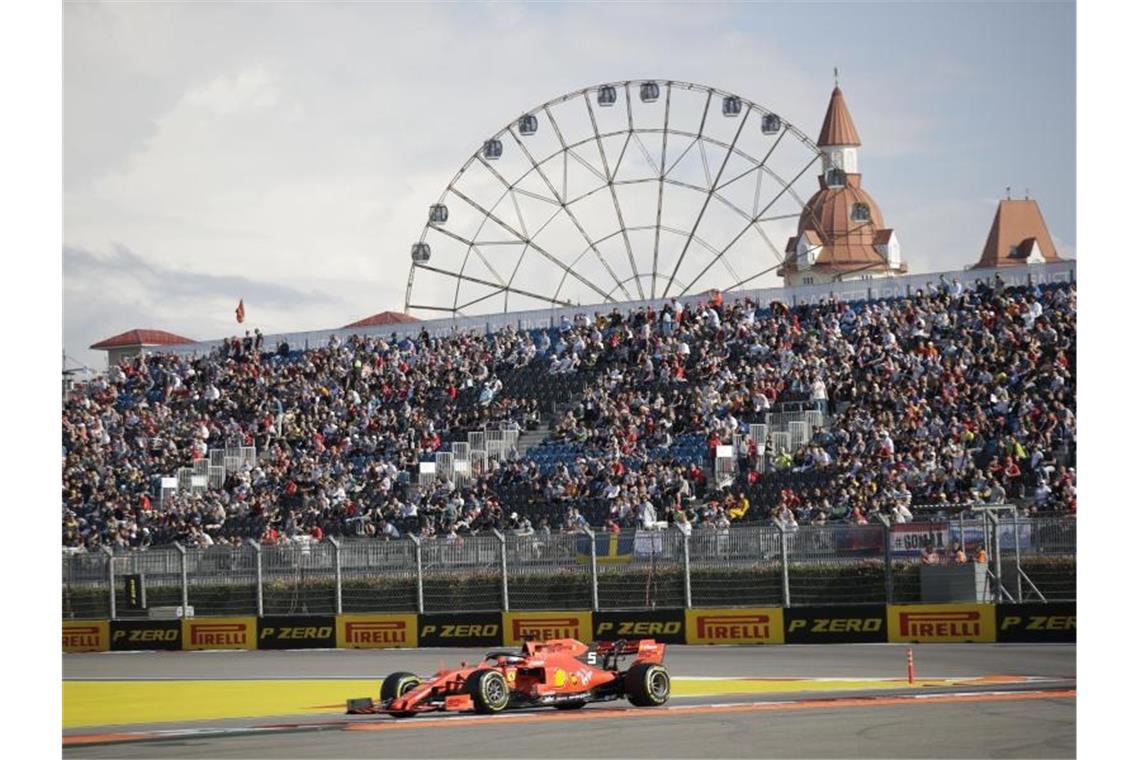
{"type": "Point", "coordinates": [398, 684]}
{"type": "Point", "coordinates": [489, 691]}
{"type": "Point", "coordinates": [647, 684]}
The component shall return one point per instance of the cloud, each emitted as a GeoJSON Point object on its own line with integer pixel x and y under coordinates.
{"type": "Point", "coordinates": [127, 269]}
{"type": "Point", "coordinates": [104, 295]}
{"type": "Point", "coordinates": [287, 153]}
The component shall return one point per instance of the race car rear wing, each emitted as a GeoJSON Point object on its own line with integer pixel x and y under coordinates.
{"type": "Point", "coordinates": [646, 650]}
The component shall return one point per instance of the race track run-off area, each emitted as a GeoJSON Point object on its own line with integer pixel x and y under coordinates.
{"type": "Point", "coordinates": [969, 700]}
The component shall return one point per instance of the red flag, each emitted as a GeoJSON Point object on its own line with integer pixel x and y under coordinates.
{"type": "Point", "coordinates": [240, 311]}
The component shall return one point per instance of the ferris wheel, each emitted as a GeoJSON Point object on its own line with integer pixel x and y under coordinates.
{"type": "Point", "coordinates": [625, 191]}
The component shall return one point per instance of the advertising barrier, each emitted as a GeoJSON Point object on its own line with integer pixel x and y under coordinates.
{"type": "Point", "coordinates": [219, 633]}
{"type": "Point", "coordinates": [296, 632]}
{"type": "Point", "coordinates": [838, 624]}
{"type": "Point", "coordinates": [376, 631]}
{"type": "Point", "coordinates": [461, 629]}
{"type": "Point", "coordinates": [735, 625]}
{"type": "Point", "coordinates": [519, 626]}
{"type": "Point", "coordinates": [663, 625]}
{"type": "Point", "coordinates": [953, 623]}
{"type": "Point", "coordinates": [1046, 622]}
{"type": "Point", "coordinates": [141, 635]}
{"type": "Point", "coordinates": [831, 624]}
{"type": "Point", "coordinates": [85, 635]}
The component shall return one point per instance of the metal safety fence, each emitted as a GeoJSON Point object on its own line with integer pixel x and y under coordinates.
{"type": "Point", "coordinates": [998, 558]}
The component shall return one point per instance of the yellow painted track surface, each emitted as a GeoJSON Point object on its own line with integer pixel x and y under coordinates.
{"type": "Point", "coordinates": [108, 703]}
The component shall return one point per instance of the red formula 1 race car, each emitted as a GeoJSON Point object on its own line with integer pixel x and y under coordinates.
{"type": "Point", "coordinates": [560, 673]}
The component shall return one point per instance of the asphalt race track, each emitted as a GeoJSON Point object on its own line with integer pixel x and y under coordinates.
{"type": "Point", "coordinates": [970, 700]}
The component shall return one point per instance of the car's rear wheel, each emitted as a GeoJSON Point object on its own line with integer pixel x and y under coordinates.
{"type": "Point", "coordinates": [647, 684]}
{"type": "Point", "coordinates": [397, 685]}
{"type": "Point", "coordinates": [489, 691]}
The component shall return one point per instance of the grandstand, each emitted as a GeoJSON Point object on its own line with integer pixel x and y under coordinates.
{"type": "Point", "coordinates": [857, 393]}
{"type": "Point", "coordinates": [930, 399]}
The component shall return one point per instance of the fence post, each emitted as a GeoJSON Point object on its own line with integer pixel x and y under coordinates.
{"type": "Point", "coordinates": [503, 557]}
{"type": "Point", "coordinates": [185, 582]}
{"type": "Point", "coordinates": [997, 558]}
{"type": "Point", "coordinates": [257, 568]}
{"type": "Point", "coordinates": [888, 562]}
{"type": "Point", "coordinates": [1017, 552]}
{"type": "Point", "coordinates": [336, 572]}
{"type": "Point", "coordinates": [419, 573]}
{"type": "Point", "coordinates": [111, 578]}
{"type": "Point", "coordinates": [593, 568]}
{"type": "Point", "coordinates": [784, 564]}
{"type": "Point", "coordinates": [688, 577]}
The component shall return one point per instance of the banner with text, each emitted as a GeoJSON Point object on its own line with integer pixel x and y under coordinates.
{"type": "Point", "coordinates": [461, 629]}
{"type": "Point", "coordinates": [522, 626]}
{"type": "Point", "coordinates": [735, 625]}
{"type": "Point", "coordinates": [219, 633]}
{"type": "Point", "coordinates": [85, 635]}
{"type": "Point", "coordinates": [923, 623]}
{"type": "Point", "coordinates": [376, 631]}
{"type": "Point", "coordinates": [838, 624]}
{"type": "Point", "coordinates": [663, 625]}
{"type": "Point", "coordinates": [1044, 622]}
{"type": "Point", "coordinates": [143, 635]}
{"type": "Point", "coordinates": [296, 632]}
{"type": "Point", "coordinates": [909, 539]}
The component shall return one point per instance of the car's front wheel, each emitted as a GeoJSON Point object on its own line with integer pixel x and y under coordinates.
{"type": "Point", "coordinates": [397, 685]}
{"type": "Point", "coordinates": [489, 691]}
{"type": "Point", "coordinates": [647, 684]}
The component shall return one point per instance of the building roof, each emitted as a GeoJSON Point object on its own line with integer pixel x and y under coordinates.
{"type": "Point", "coordinates": [827, 217]}
{"type": "Point", "coordinates": [142, 337]}
{"type": "Point", "coordinates": [838, 126]}
{"type": "Point", "coordinates": [1016, 224]}
{"type": "Point", "coordinates": [384, 318]}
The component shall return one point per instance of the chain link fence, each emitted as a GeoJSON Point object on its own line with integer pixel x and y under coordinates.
{"type": "Point", "coordinates": [749, 565]}
{"type": "Point", "coordinates": [736, 567]}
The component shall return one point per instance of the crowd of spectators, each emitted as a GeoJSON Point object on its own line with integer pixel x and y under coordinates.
{"type": "Point", "coordinates": [946, 398]}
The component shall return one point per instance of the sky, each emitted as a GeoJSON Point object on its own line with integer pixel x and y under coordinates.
{"type": "Point", "coordinates": [285, 154]}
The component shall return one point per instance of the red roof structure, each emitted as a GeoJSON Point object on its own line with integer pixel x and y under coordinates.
{"type": "Point", "coordinates": [140, 337]}
{"type": "Point", "coordinates": [841, 218]}
{"type": "Point", "coordinates": [838, 126]}
{"type": "Point", "coordinates": [1017, 224]}
{"type": "Point", "coordinates": [383, 318]}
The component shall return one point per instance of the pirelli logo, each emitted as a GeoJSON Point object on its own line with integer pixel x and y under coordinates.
{"type": "Point", "coordinates": [220, 633]}
{"type": "Point", "coordinates": [928, 624]}
{"type": "Point", "coordinates": [729, 627]}
{"type": "Point", "coordinates": [945, 623]}
{"type": "Point", "coordinates": [733, 626]}
{"type": "Point", "coordinates": [520, 626]}
{"type": "Point", "coordinates": [548, 628]}
{"type": "Point", "coordinates": [389, 633]}
{"type": "Point", "coordinates": [86, 636]}
{"type": "Point", "coordinates": [376, 631]}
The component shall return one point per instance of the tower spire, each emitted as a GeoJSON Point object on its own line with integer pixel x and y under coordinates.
{"type": "Point", "coordinates": [838, 126]}
{"type": "Point", "coordinates": [836, 70]}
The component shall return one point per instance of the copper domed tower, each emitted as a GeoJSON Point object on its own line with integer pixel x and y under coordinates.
{"type": "Point", "coordinates": [841, 234]}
